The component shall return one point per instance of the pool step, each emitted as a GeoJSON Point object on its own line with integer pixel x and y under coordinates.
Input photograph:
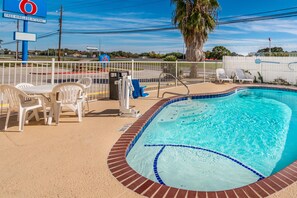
{"type": "Point", "coordinates": [170, 116]}
{"type": "Point", "coordinates": [183, 109]}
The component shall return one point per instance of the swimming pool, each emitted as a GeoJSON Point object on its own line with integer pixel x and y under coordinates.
{"type": "Point", "coordinates": [218, 142]}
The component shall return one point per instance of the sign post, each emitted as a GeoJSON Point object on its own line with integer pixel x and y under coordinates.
{"type": "Point", "coordinates": [26, 10]}
{"type": "Point", "coordinates": [25, 43]}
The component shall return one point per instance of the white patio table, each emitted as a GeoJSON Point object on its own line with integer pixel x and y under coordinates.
{"type": "Point", "coordinates": [46, 91]}
{"type": "Point", "coordinates": [39, 89]}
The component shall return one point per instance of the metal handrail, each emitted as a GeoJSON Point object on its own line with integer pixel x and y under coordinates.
{"type": "Point", "coordinates": [188, 91]}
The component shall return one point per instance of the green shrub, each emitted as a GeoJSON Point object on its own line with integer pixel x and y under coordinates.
{"type": "Point", "coordinates": [170, 58]}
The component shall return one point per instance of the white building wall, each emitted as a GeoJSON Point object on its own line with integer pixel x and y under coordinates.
{"type": "Point", "coordinates": [271, 68]}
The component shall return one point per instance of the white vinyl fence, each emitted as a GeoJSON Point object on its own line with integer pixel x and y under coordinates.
{"type": "Point", "coordinates": [271, 68]}
{"type": "Point", "coordinates": [148, 72]}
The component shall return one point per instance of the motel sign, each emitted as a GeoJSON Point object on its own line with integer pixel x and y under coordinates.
{"type": "Point", "coordinates": [26, 10]}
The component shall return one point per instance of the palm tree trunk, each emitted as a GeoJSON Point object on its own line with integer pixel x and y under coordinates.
{"type": "Point", "coordinates": [194, 53]}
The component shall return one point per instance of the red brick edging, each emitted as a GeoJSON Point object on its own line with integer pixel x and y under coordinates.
{"type": "Point", "coordinates": [121, 170]}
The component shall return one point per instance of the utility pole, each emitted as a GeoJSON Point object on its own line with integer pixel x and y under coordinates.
{"type": "Point", "coordinates": [269, 46]}
{"type": "Point", "coordinates": [60, 32]}
{"type": "Point", "coordinates": [17, 43]}
{"type": "Point", "coordinates": [99, 53]}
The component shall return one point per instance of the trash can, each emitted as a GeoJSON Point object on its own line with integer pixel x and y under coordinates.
{"type": "Point", "coordinates": [113, 86]}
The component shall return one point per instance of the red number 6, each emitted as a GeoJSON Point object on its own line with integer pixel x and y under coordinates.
{"type": "Point", "coordinates": [23, 5]}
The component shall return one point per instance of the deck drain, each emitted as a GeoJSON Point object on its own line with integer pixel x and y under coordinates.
{"type": "Point", "coordinates": [125, 128]}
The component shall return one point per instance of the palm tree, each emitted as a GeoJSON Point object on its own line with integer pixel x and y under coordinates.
{"type": "Point", "coordinates": [195, 19]}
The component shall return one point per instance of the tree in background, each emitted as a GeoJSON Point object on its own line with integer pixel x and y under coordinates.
{"type": "Point", "coordinates": [219, 51]}
{"type": "Point", "coordinates": [275, 51]}
{"type": "Point", "coordinates": [178, 55]}
{"type": "Point", "coordinates": [195, 19]}
{"type": "Point", "coordinates": [0, 43]}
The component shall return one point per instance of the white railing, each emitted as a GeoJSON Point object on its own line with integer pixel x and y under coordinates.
{"type": "Point", "coordinates": [53, 72]}
{"type": "Point", "coordinates": [271, 68]}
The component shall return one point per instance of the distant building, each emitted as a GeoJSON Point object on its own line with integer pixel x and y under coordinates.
{"type": "Point", "coordinates": [76, 55]}
{"type": "Point", "coordinates": [292, 54]}
{"type": "Point", "coordinates": [252, 54]}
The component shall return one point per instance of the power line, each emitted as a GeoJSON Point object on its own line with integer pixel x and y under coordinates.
{"type": "Point", "coordinates": [122, 7]}
{"type": "Point", "coordinates": [258, 13]}
{"type": "Point", "coordinates": [118, 29]}
{"type": "Point", "coordinates": [261, 18]}
{"type": "Point", "coordinates": [121, 31]}
{"type": "Point", "coordinates": [164, 28]}
{"type": "Point", "coordinates": [83, 2]}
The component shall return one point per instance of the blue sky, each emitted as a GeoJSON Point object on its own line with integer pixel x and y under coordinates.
{"type": "Point", "coordinates": [98, 15]}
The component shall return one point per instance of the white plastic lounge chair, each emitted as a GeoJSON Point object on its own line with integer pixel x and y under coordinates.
{"type": "Point", "coordinates": [87, 82]}
{"type": "Point", "coordinates": [19, 101]}
{"type": "Point", "coordinates": [68, 95]}
{"type": "Point", "coordinates": [221, 76]}
{"type": "Point", "coordinates": [241, 77]}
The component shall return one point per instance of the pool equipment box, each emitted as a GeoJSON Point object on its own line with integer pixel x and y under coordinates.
{"type": "Point", "coordinates": [20, 36]}
{"type": "Point", "coordinates": [113, 85]}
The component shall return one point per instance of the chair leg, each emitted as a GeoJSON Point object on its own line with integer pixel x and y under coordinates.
{"type": "Point", "coordinates": [44, 114]}
{"type": "Point", "coordinates": [57, 112]}
{"type": "Point", "coordinates": [22, 113]}
{"type": "Point", "coordinates": [88, 104]}
{"type": "Point", "coordinates": [83, 107]}
{"type": "Point", "coordinates": [51, 114]}
{"type": "Point", "coordinates": [79, 111]}
{"type": "Point", "coordinates": [35, 111]}
{"type": "Point", "coordinates": [7, 119]}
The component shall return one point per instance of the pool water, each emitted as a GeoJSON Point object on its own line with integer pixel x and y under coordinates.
{"type": "Point", "coordinates": [219, 143]}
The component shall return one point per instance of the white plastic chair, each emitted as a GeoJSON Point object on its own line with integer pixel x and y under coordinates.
{"type": "Point", "coordinates": [222, 76]}
{"type": "Point", "coordinates": [68, 95]}
{"type": "Point", "coordinates": [19, 101]}
{"type": "Point", "coordinates": [241, 77]}
{"type": "Point", "coordinates": [87, 82]}
{"type": "Point", "coordinates": [24, 85]}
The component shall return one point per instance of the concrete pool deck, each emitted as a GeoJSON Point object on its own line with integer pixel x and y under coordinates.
{"type": "Point", "coordinates": [70, 160]}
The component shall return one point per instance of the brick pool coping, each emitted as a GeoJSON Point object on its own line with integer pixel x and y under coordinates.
{"type": "Point", "coordinates": [121, 170]}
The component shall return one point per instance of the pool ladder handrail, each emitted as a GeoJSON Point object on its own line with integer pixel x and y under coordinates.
{"type": "Point", "coordinates": [167, 92]}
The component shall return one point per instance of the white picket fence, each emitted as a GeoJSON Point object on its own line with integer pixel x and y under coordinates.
{"type": "Point", "coordinates": [270, 68]}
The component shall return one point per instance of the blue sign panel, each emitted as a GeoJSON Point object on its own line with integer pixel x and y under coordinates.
{"type": "Point", "coordinates": [258, 61]}
{"type": "Point", "coordinates": [104, 57]}
{"type": "Point", "coordinates": [27, 7]}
